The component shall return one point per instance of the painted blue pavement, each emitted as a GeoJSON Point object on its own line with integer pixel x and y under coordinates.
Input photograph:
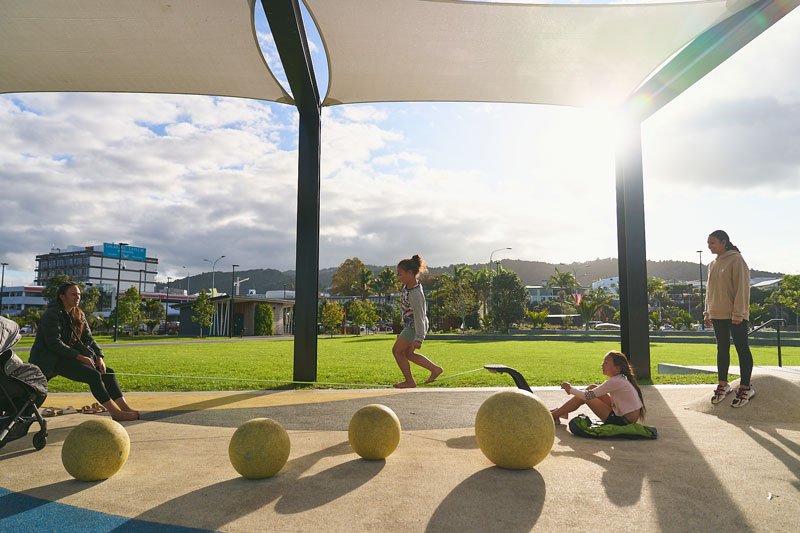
{"type": "Point", "coordinates": [19, 512]}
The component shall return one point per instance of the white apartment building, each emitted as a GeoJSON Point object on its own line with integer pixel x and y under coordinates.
{"type": "Point", "coordinates": [101, 266]}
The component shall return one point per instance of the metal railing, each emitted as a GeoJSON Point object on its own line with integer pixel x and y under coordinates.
{"type": "Point", "coordinates": [779, 322]}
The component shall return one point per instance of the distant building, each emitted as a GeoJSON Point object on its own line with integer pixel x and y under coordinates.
{"type": "Point", "coordinates": [17, 299]}
{"type": "Point", "coordinates": [99, 266]}
{"type": "Point", "coordinates": [541, 293]}
{"type": "Point", "coordinates": [611, 285]}
{"type": "Point", "coordinates": [244, 313]}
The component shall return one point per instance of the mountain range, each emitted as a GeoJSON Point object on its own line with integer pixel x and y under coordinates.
{"type": "Point", "coordinates": [530, 272]}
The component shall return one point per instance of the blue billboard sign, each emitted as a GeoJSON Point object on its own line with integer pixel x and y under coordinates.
{"type": "Point", "coordinates": [131, 253]}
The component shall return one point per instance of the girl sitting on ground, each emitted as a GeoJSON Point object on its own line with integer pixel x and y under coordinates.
{"type": "Point", "coordinates": [617, 401]}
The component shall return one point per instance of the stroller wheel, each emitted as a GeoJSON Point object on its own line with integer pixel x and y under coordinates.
{"type": "Point", "coordinates": [40, 440]}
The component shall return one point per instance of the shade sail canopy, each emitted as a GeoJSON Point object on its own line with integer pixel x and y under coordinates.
{"type": "Point", "coordinates": [451, 50]}
{"type": "Point", "coordinates": [142, 46]}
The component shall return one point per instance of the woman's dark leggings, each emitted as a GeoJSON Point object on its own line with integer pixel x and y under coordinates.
{"type": "Point", "coordinates": [724, 330]}
{"type": "Point", "coordinates": [104, 386]}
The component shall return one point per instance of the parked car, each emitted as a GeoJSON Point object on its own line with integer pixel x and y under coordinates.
{"type": "Point", "coordinates": [607, 326]}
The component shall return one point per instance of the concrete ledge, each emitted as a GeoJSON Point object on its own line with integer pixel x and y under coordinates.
{"type": "Point", "coordinates": [668, 368]}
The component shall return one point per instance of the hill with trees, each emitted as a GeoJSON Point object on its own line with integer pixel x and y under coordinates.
{"type": "Point", "coordinates": [530, 272]}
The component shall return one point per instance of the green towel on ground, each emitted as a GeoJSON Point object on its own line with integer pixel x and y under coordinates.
{"type": "Point", "coordinates": [582, 426]}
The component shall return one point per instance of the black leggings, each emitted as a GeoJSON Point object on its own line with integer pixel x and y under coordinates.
{"type": "Point", "coordinates": [724, 330]}
{"type": "Point", "coordinates": [104, 386]}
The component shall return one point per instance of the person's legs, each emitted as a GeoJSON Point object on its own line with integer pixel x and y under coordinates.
{"type": "Point", "coordinates": [739, 334]}
{"type": "Point", "coordinates": [424, 362]}
{"type": "Point", "coordinates": [722, 331]}
{"type": "Point", "coordinates": [81, 373]}
{"type": "Point", "coordinates": [601, 406]}
{"type": "Point", "coordinates": [399, 350]}
{"type": "Point", "coordinates": [115, 392]}
{"type": "Point", "coordinates": [75, 371]}
{"type": "Point", "coordinates": [745, 392]}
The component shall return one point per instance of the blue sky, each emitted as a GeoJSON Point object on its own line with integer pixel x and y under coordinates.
{"type": "Point", "coordinates": [195, 177]}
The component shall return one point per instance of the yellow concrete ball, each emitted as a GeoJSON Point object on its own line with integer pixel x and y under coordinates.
{"type": "Point", "coordinates": [374, 432]}
{"type": "Point", "coordinates": [514, 429]}
{"type": "Point", "coordinates": [259, 448]}
{"type": "Point", "coordinates": [96, 449]}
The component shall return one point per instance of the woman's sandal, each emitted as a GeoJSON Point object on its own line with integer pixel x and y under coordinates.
{"type": "Point", "coordinates": [98, 408]}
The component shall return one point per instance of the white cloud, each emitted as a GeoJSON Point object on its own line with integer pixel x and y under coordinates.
{"type": "Point", "coordinates": [190, 177]}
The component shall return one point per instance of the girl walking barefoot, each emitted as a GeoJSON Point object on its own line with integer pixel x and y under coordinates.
{"type": "Point", "coordinates": [617, 401]}
{"type": "Point", "coordinates": [415, 324]}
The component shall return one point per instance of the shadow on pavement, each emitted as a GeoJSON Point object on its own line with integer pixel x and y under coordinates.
{"type": "Point", "coordinates": [683, 487]}
{"type": "Point", "coordinates": [15, 503]}
{"type": "Point", "coordinates": [230, 500]}
{"type": "Point", "coordinates": [493, 499]}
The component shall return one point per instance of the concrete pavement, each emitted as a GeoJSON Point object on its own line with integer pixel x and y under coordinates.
{"type": "Point", "coordinates": [711, 469]}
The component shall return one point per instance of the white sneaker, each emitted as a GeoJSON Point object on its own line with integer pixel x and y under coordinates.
{"type": "Point", "coordinates": [743, 397]}
{"type": "Point", "coordinates": [720, 393]}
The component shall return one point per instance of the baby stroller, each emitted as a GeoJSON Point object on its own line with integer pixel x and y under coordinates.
{"type": "Point", "coordinates": [23, 388]}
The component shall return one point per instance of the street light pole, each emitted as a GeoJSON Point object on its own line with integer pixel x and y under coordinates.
{"type": "Point", "coordinates": [230, 306]}
{"type": "Point", "coordinates": [188, 276]}
{"type": "Point", "coordinates": [702, 300]}
{"type": "Point", "coordinates": [2, 285]}
{"type": "Point", "coordinates": [492, 255]}
{"type": "Point", "coordinates": [116, 306]}
{"type": "Point", "coordinates": [213, 270]}
{"type": "Point", "coordinates": [166, 307]}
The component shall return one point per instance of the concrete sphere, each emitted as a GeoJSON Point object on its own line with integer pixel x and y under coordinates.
{"type": "Point", "coordinates": [95, 450]}
{"type": "Point", "coordinates": [374, 432]}
{"type": "Point", "coordinates": [514, 429]}
{"type": "Point", "coordinates": [259, 448]}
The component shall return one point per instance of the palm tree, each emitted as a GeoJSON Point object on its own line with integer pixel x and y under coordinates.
{"type": "Point", "coordinates": [482, 285]}
{"type": "Point", "coordinates": [366, 280]}
{"type": "Point", "coordinates": [563, 280]}
{"type": "Point", "coordinates": [385, 283]}
{"type": "Point", "coordinates": [592, 303]}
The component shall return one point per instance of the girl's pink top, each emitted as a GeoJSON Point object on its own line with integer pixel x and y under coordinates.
{"type": "Point", "coordinates": [624, 397]}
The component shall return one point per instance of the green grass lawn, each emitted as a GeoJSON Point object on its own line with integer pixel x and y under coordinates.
{"type": "Point", "coordinates": [368, 360]}
{"type": "Point", "coordinates": [102, 340]}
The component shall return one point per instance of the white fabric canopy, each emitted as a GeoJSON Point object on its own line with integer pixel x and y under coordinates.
{"type": "Point", "coordinates": [450, 50]}
{"type": "Point", "coordinates": [143, 46]}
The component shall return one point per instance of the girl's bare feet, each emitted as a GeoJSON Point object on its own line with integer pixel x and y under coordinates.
{"type": "Point", "coordinates": [434, 374]}
{"type": "Point", "coordinates": [557, 416]}
{"type": "Point", "coordinates": [405, 385]}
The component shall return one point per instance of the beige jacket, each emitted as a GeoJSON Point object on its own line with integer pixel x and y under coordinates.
{"type": "Point", "coordinates": [728, 294]}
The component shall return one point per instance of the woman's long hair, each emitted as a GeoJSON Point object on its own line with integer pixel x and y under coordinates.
{"type": "Point", "coordinates": [78, 325]}
{"type": "Point", "coordinates": [722, 237]}
{"type": "Point", "coordinates": [77, 316]}
{"type": "Point", "coordinates": [626, 369]}
{"type": "Point", "coordinates": [415, 265]}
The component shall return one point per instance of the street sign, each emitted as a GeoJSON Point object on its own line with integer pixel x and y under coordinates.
{"type": "Point", "coordinates": [131, 253]}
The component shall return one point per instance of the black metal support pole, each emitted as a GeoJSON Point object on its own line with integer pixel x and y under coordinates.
{"type": "Point", "coordinates": [778, 333]}
{"type": "Point", "coordinates": [286, 22]}
{"type": "Point", "coordinates": [634, 334]}
{"type": "Point", "coordinates": [116, 300]}
{"type": "Point", "coordinates": [307, 259]}
{"type": "Point", "coordinates": [706, 53]}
